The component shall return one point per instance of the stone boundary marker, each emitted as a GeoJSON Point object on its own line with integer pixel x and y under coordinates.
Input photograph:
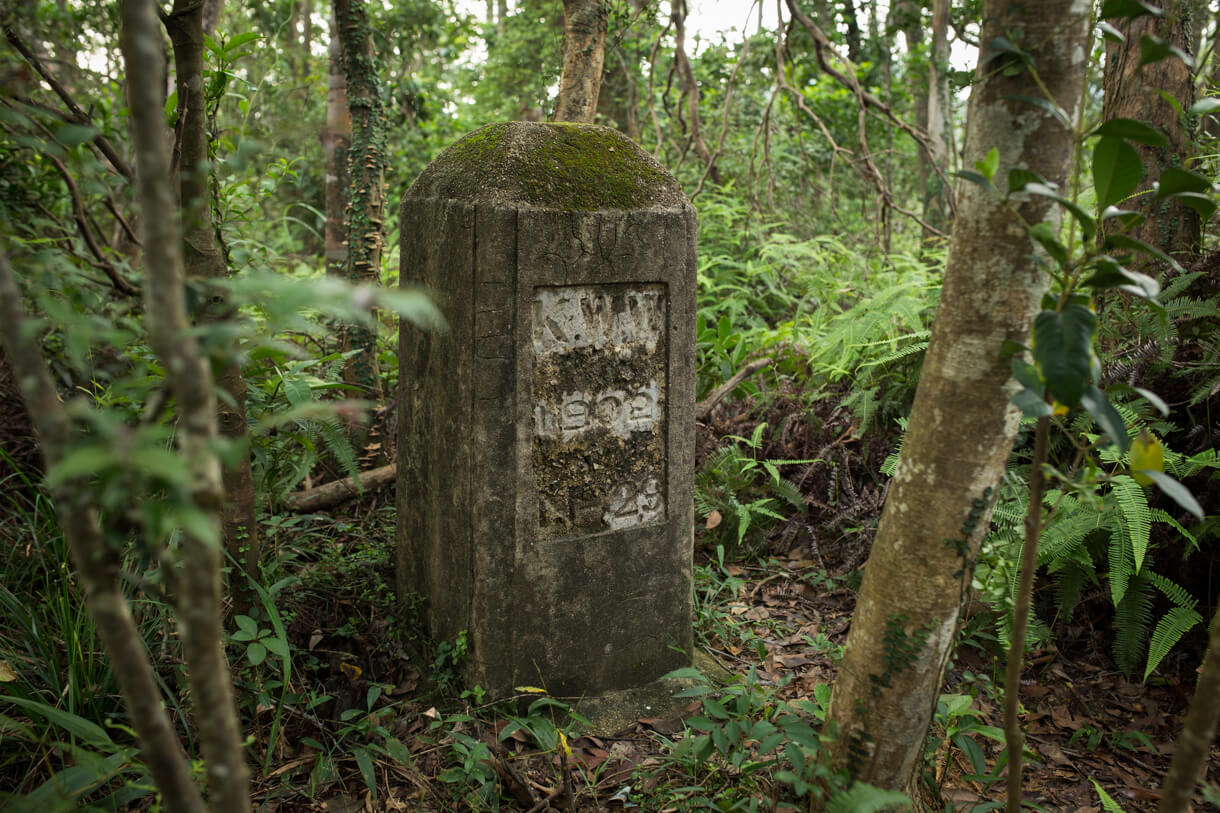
{"type": "Point", "coordinates": [546, 442]}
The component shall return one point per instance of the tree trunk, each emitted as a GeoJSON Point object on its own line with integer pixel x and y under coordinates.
{"type": "Point", "coordinates": [584, 52]}
{"type": "Point", "coordinates": [690, 89]}
{"type": "Point", "coordinates": [96, 562]}
{"type": "Point", "coordinates": [205, 261]}
{"type": "Point", "coordinates": [366, 164]}
{"type": "Point", "coordinates": [962, 425]}
{"type": "Point", "coordinates": [1134, 92]}
{"type": "Point", "coordinates": [336, 143]}
{"type": "Point", "coordinates": [197, 593]}
{"type": "Point", "coordinates": [939, 113]}
{"type": "Point", "coordinates": [619, 100]}
{"type": "Point", "coordinates": [1194, 743]}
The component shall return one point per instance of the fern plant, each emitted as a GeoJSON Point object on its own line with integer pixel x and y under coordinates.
{"type": "Point", "coordinates": [741, 495]}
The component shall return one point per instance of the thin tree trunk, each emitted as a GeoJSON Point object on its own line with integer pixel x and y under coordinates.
{"type": "Point", "coordinates": [1194, 743]}
{"type": "Point", "coordinates": [96, 562]}
{"type": "Point", "coordinates": [366, 162]}
{"type": "Point", "coordinates": [205, 261]}
{"type": "Point", "coordinates": [336, 143]}
{"type": "Point", "coordinates": [198, 591]}
{"type": "Point", "coordinates": [1133, 91]}
{"type": "Point", "coordinates": [690, 89]}
{"type": "Point", "coordinates": [584, 52]}
{"type": "Point", "coordinates": [962, 425]}
{"type": "Point", "coordinates": [939, 107]}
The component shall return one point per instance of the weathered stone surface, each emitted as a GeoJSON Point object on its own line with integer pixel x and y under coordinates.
{"type": "Point", "coordinates": [547, 440]}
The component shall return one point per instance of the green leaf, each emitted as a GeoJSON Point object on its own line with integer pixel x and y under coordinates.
{"type": "Point", "coordinates": [1126, 218]}
{"type": "Point", "coordinates": [1203, 106]}
{"type": "Point", "coordinates": [86, 730]}
{"type": "Point", "coordinates": [1203, 204]}
{"type": "Point", "coordinates": [1176, 180]}
{"type": "Point", "coordinates": [413, 305]}
{"type": "Point", "coordinates": [1110, 33]}
{"type": "Point", "coordinates": [1110, 273]}
{"type": "Point", "coordinates": [976, 178]}
{"type": "Point", "coordinates": [1047, 191]}
{"type": "Point", "coordinates": [1132, 244]}
{"type": "Point", "coordinates": [1132, 130]}
{"type": "Point", "coordinates": [256, 653]}
{"type": "Point", "coordinates": [1031, 404]}
{"type": "Point", "coordinates": [1018, 177]}
{"type": "Point", "coordinates": [1062, 348]}
{"type": "Point", "coordinates": [1128, 8]}
{"type": "Point", "coordinates": [1027, 374]}
{"type": "Point", "coordinates": [242, 39]}
{"type": "Point", "coordinates": [1105, 416]}
{"type": "Point", "coordinates": [1116, 170]}
{"type": "Point", "coordinates": [1154, 49]}
{"type": "Point", "coordinates": [72, 135]}
{"type": "Point", "coordinates": [277, 646]}
{"type": "Point", "coordinates": [247, 625]}
{"type": "Point", "coordinates": [364, 761]}
{"type": "Point", "coordinates": [1060, 115]}
{"type": "Point", "coordinates": [1176, 492]}
{"type": "Point", "coordinates": [1047, 237]}
{"type": "Point", "coordinates": [86, 461]}
{"type": "Point", "coordinates": [989, 165]}
{"type": "Point", "coordinates": [1154, 399]}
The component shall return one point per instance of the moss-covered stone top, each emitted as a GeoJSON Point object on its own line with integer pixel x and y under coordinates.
{"type": "Point", "coordinates": [579, 167]}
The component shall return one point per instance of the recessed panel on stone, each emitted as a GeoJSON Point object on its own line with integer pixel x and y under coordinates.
{"type": "Point", "coordinates": [599, 407]}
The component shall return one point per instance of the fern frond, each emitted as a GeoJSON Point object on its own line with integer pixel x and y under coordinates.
{"type": "Point", "coordinates": [864, 798]}
{"type": "Point", "coordinates": [1118, 556]}
{"type": "Point", "coordinates": [1071, 580]}
{"type": "Point", "coordinates": [1173, 591]}
{"type": "Point", "coordinates": [1133, 504]}
{"type": "Point", "coordinates": [1169, 630]}
{"type": "Point", "coordinates": [337, 444]}
{"type": "Point", "coordinates": [1132, 618]}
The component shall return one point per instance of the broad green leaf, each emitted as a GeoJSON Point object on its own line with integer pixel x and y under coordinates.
{"type": "Point", "coordinates": [1133, 130]}
{"type": "Point", "coordinates": [1139, 246]}
{"type": "Point", "coordinates": [1128, 8]}
{"type": "Point", "coordinates": [247, 625]}
{"type": "Point", "coordinates": [1060, 115]}
{"type": "Point", "coordinates": [1110, 273]}
{"type": "Point", "coordinates": [1154, 399]}
{"type": "Point", "coordinates": [975, 177]}
{"type": "Point", "coordinates": [1176, 492]}
{"type": "Point", "coordinates": [1018, 177]}
{"type": "Point", "coordinates": [1154, 49]}
{"type": "Point", "coordinates": [1127, 218]}
{"type": "Point", "coordinates": [989, 165]}
{"type": "Point", "coordinates": [71, 135]}
{"type": "Point", "coordinates": [1116, 170]}
{"type": "Point", "coordinates": [364, 760]}
{"type": "Point", "coordinates": [241, 39]}
{"type": "Point", "coordinates": [1047, 191]}
{"type": "Point", "coordinates": [1111, 33]}
{"type": "Point", "coordinates": [1203, 204]}
{"type": "Point", "coordinates": [1027, 375]}
{"type": "Point", "coordinates": [1031, 404]}
{"type": "Point", "coordinates": [413, 305]}
{"type": "Point", "coordinates": [1047, 237]}
{"type": "Point", "coordinates": [1062, 348]}
{"type": "Point", "coordinates": [1147, 454]}
{"type": "Point", "coordinates": [277, 645]}
{"type": "Point", "coordinates": [1208, 105]}
{"type": "Point", "coordinates": [85, 461]}
{"type": "Point", "coordinates": [1176, 180]}
{"type": "Point", "coordinates": [256, 653]}
{"type": "Point", "coordinates": [1105, 416]}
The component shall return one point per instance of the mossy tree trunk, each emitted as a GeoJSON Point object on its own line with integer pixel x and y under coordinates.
{"type": "Point", "coordinates": [1135, 92]}
{"type": "Point", "coordinates": [366, 165]}
{"type": "Point", "coordinates": [962, 425]}
{"type": "Point", "coordinates": [205, 261]}
{"type": "Point", "coordinates": [584, 53]}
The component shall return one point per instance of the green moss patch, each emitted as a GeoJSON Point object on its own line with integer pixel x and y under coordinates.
{"type": "Point", "coordinates": [570, 167]}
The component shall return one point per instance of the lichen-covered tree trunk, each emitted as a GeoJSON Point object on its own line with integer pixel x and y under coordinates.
{"type": "Point", "coordinates": [962, 425]}
{"type": "Point", "coordinates": [197, 589]}
{"type": "Point", "coordinates": [584, 52]}
{"type": "Point", "coordinates": [366, 164]}
{"type": "Point", "coordinates": [1135, 92]}
{"type": "Point", "coordinates": [205, 261]}
{"type": "Point", "coordinates": [336, 142]}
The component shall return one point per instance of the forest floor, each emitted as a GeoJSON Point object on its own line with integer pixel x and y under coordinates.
{"type": "Point", "coordinates": [782, 616]}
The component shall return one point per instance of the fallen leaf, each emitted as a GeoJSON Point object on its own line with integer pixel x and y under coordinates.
{"type": "Point", "coordinates": [713, 520]}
